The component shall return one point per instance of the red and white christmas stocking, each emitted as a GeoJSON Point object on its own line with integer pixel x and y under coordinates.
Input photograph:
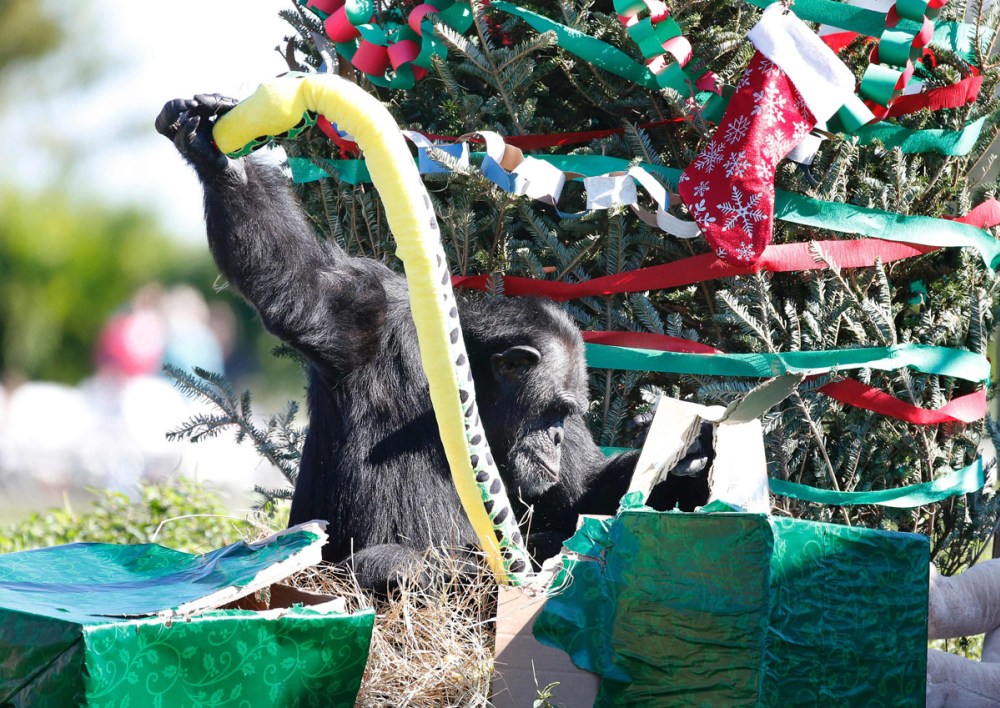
{"type": "Point", "coordinates": [793, 81]}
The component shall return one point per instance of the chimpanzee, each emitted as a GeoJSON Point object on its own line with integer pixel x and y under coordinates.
{"type": "Point", "coordinates": [373, 464]}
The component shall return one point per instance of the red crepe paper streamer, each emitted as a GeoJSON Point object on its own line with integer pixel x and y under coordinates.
{"type": "Point", "coordinates": [964, 409]}
{"type": "Point", "coordinates": [957, 95]}
{"type": "Point", "coordinates": [536, 142]}
{"type": "Point", "coordinates": [647, 340]}
{"type": "Point", "coordinates": [857, 253]}
{"type": "Point", "coordinates": [840, 40]}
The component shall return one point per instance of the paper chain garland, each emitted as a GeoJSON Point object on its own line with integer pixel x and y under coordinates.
{"type": "Point", "coordinates": [281, 103]}
{"type": "Point", "coordinates": [850, 118]}
{"type": "Point", "coordinates": [909, 27]}
{"type": "Point", "coordinates": [657, 35]}
{"type": "Point", "coordinates": [396, 53]}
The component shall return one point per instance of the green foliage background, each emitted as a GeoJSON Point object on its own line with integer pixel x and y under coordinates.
{"type": "Point", "coordinates": [179, 513]}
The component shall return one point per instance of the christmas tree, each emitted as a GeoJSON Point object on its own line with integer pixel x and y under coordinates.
{"type": "Point", "coordinates": [597, 88]}
{"type": "Point", "coordinates": [880, 251]}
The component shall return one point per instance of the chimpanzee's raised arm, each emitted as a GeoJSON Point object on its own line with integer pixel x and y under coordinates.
{"type": "Point", "coordinates": [308, 292]}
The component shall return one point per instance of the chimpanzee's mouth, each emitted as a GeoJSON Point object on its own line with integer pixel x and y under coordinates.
{"type": "Point", "coordinates": [551, 468]}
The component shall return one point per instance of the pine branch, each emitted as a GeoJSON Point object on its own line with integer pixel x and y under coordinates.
{"type": "Point", "coordinates": [280, 443]}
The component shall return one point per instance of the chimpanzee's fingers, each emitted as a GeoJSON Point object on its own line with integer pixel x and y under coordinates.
{"type": "Point", "coordinates": [186, 132]}
{"type": "Point", "coordinates": [214, 104]}
{"type": "Point", "coordinates": [194, 141]}
{"type": "Point", "coordinates": [168, 120]}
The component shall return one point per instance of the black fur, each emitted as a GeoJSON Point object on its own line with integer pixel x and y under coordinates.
{"type": "Point", "coordinates": [373, 465]}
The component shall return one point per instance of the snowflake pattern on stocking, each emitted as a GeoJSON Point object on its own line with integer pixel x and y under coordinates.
{"type": "Point", "coordinates": [746, 213]}
{"type": "Point", "coordinates": [800, 131]}
{"type": "Point", "coordinates": [736, 164]}
{"type": "Point", "coordinates": [737, 130]}
{"type": "Point", "coordinates": [701, 190]}
{"type": "Point", "coordinates": [769, 104]}
{"type": "Point", "coordinates": [775, 148]}
{"type": "Point", "coordinates": [700, 212]}
{"type": "Point", "coordinates": [745, 251]}
{"type": "Point", "coordinates": [763, 168]}
{"type": "Point", "coordinates": [709, 158]}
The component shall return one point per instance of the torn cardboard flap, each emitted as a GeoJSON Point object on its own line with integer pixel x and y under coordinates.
{"type": "Point", "coordinates": [739, 472]}
{"type": "Point", "coordinates": [523, 665]}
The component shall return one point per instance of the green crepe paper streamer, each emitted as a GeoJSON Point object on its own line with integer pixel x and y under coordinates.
{"type": "Point", "coordinates": [955, 143]}
{"type": "Point", "coordinates": [952, 483]}
{"type": "Point", "coordinates": [600, 54]}
{"type": "Point", "coordinates": [789, 206]}
{"type": "Point", "coordinates": [353, 172]}
{"type": "Point", "coordinates": [963, 481]}
{"type": "Point", "coordinates": [841, 15]}
{"type": "Point", "coordinates": [874, 223]}
{"type": "Point", "coordinates": [941, 361]}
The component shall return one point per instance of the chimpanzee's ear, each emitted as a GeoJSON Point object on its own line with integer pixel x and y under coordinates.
{"type": "Point", "coordinates": [513, 363]}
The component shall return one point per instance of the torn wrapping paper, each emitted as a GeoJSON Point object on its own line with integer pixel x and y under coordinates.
{"type": "Point", "coordinates": [102, 625]}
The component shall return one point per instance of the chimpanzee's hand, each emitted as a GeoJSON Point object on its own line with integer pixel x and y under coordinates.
{"type": "Point", "coordinates": [188, 124]}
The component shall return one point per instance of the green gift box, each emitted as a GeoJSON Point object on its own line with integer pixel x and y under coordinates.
{"type": "Point", "coordinates": [725, 609]}
{"type": "Point", "coordinates": [736, 608]}
{"type": "Point", "coordinates": [108, 625]}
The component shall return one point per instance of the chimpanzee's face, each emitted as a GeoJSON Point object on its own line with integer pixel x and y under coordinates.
{"type": "Point", "coordinates": [535, 389]}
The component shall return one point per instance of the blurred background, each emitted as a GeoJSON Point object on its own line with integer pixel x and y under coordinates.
{"type": "Point", "coordinates": [104, 271]}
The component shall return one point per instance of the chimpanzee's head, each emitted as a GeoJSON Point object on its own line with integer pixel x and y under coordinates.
{"type": "Point", "coordinates": [527, 360]}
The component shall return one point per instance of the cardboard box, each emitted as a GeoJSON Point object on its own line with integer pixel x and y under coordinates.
{"type": "Point", "coordinates": [107, 625]}
{"type": "Point", "coordinates": [523, 665]}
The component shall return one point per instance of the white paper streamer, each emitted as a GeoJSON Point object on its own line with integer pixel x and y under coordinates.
{"type": "Point", "coordinates": [606, 191]}
{"type": "Point", "coordinates": [544, 182]}
{"type": "Point", "coordinates": [663, 219]}
{"type": "Point", "coordinates": [541, 180]}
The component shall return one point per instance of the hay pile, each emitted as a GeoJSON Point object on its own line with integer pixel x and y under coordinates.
{"type": "Point", "coordinates": [429, 648]}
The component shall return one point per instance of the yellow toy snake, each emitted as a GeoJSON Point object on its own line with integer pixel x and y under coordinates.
{"type": "Point", "coordinates": [289, 104]}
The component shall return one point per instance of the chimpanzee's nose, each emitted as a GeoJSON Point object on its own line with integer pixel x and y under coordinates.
{"type": "Point", "coordinates": [556, 433]}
